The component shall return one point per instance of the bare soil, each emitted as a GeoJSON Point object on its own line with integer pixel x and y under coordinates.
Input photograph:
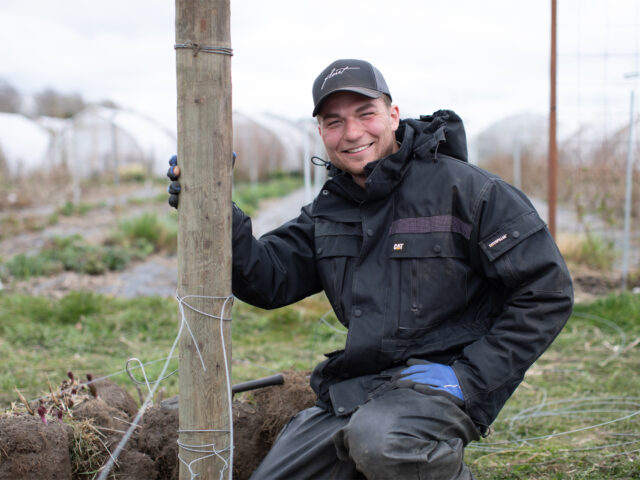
{"type": "Point", "coordinates": [30, 449]}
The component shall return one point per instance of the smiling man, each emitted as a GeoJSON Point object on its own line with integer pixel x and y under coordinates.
{"type": "Point", "coordinates": [447, 279]}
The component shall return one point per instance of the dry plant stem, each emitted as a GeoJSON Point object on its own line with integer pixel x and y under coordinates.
{"type": "Point", "coordinates": [24, 401]}
{"type": "Point", "coordinates": [53, 396]}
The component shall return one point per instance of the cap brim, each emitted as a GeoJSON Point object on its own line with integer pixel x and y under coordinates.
{"type": "Point", "coordinates": [367, 92]}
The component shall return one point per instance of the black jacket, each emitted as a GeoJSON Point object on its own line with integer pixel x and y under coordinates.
{"type": "Point", "coordinates": [436, 259]}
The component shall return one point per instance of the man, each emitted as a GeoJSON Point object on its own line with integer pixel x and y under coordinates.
{"type": "Point", "coordinates": [446, 277]}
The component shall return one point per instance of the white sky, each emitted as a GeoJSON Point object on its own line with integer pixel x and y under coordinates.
{"type": "Point", "coordinates": [484, 59]}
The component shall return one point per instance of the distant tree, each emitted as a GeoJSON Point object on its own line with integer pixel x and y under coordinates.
{"type": "Point", "coordinates": [10, 98]}
{"type": "Point", "coordinates": [54, 104]}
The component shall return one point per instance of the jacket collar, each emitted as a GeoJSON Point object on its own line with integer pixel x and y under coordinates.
{"type": "Point", "coordinates": [384, 174]}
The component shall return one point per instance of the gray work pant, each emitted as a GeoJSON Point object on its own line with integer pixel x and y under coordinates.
{"type": "Point", "coordinates": [403, 434]}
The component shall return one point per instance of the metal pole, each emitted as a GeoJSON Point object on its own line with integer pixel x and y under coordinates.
{"type": "Point", "coordinates": [627, 200]}
{"type": "Point", "coordinates": [553, 145]}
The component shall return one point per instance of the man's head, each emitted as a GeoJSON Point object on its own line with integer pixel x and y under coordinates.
{"type": "Point", "coordinates": [356, 119]}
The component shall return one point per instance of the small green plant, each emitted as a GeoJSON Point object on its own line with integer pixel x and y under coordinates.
{"type": "Point", "coordinates": [248, 195]}
{"type": "Point", "coordinates": [69, 209]}
{"type": "Point", "coordinates": [147, 234]}
{"type": "Point", "coordinates": [27, 266]}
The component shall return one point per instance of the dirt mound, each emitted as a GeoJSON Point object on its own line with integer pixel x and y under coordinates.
{"type": "Point", "coordinates": [29, 448]}
{"type": "Point", "coordinates": [157, 438]}
{"type": "Point", "coordinates": [258, 421]}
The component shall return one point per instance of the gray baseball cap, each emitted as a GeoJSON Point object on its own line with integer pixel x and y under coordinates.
{"type": "Point", "coordinates": [348, 75]}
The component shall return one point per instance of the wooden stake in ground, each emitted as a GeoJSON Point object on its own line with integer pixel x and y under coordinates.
{"type": "Point", "coordinates": [203, 68]}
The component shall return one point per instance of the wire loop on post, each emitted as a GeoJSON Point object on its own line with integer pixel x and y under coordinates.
{"type": "Point", "coordinates": [197, 48]}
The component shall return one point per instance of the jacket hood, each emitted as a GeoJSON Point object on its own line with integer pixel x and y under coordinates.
{"type": "Point", "coordinates": [442, 132]}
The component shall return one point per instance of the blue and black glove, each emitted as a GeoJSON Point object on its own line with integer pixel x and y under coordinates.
{"type": "Point", "coordinates": [174, 173]}
{"type": "Point", "coordinates": [436, 376]}
{"type": "Point", "coordinates": [174, 186]}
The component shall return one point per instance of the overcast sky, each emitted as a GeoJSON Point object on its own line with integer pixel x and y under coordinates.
{"type": "Point", "coordinates": [484, 59]}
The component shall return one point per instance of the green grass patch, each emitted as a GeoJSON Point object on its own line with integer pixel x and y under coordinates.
{"type": "Point", "coordinates": [575, 416]}
{"type": "Point", "coordinates": [70, 209]}
{"type": "Point", "coordinates": [248, 195]}
{"type": "Point", "coordinates": [41, 339]}
{"type": "Point", "coordinates": [72, 253]}
{"type": "Point", "coordinates": [148, 232]}
{"type": "Point", "coordinates": [133, 239]}
{"type": "Point", "coordinates": [577, 413]}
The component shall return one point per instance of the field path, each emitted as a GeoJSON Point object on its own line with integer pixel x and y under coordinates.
{"type": "Point", "coordinates": [157, 275]}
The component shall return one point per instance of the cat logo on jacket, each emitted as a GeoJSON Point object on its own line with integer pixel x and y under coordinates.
{"type": "Point", "coordinates": [398, 246]}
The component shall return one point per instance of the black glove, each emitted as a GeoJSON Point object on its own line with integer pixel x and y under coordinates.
{"type": "Point", "coordinates": [174, 173]}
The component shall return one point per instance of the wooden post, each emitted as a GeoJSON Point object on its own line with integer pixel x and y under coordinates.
{"type": "Point", "coordinates": [203, 70]}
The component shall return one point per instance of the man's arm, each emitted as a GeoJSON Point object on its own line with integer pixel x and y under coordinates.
{"type": "Point", "coordinates": [516, 253]}
{"type": "Point", "coordinates": [277, 269]}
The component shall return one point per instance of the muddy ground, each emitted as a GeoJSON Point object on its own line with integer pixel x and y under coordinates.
{"type": "Point", "coordinates": [31, 449]}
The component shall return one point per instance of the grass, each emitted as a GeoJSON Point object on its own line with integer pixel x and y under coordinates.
{"type": "Point", "coordinates": [588, 377]}
{"type": "Point", "coordinates": [248, 195]}
{"type": "Point", "coordinates": [41, 339]}
{"type": "Point", "coordinates": [81, 208]}
{"type": "Point", "coordinates": [133, 239]}
{"type": "Point", "coordinates": [11, 225]}
{"type": "Point", "coordinates": [157, 233]}
{"type": "Point", "coordinates": [546, 431]}
{"type": "Point", "coordinates": [588, 249]}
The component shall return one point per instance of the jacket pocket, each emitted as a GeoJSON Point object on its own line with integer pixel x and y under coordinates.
{"type": "Point", "coordinates": [337, 244]}
{"type": "Point", "coordinates": [427, 284]}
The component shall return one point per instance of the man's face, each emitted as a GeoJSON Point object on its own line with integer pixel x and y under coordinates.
{"type": "Point", "coordinates": [357, 130]}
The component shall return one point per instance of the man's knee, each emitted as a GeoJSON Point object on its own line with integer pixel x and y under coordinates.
{"type": "Point", "coordinates": [399, 446]}
{"type": "Point", "coordinates": [383, 454]}
{"type": "Point", "coordinates": [362, 441]}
